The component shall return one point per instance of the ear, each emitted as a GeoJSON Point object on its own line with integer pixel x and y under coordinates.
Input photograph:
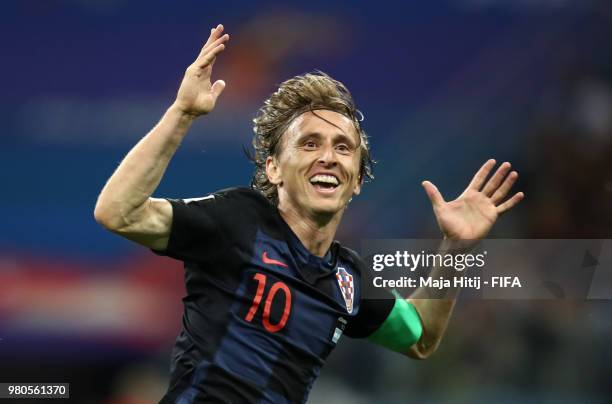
{"type": "Point", "coordinates": [357, 189]}
{"type": "Point", "coordinates": [273, 171]}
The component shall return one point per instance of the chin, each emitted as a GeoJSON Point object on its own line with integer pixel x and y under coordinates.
{"type": "Point", "coordinates": [327, 207]}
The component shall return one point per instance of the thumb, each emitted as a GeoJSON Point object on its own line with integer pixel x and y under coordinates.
{"type": "Point", "coordinates": [434, 195]}
{"type": "Point", "coordinates": [217, 88]}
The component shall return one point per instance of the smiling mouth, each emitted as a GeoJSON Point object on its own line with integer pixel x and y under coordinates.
{"type": "Point", "coordinates": [325, 182]}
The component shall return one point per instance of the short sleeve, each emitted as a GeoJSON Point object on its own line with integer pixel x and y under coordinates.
{"type": "Point", "coordinates": [195, 232]}
{"type": "Point", "coordinates": [204, 228]}
{"type": "Point", "coordinates": [372, 314]}
{"type": "Point", "coordinates": [374, 307]}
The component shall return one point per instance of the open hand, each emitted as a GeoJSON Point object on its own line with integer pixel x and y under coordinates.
{"type": "Point", "coordinates": [196, 96]}
{"type": "Point", "coordinates": [473, 213]}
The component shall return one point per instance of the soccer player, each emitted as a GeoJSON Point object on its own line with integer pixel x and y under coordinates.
{"type": "Point", "coordinates": [269, 291]}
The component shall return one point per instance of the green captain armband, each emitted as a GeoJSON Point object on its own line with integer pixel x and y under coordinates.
{"type": "Point", "coordinates": [401, 329]}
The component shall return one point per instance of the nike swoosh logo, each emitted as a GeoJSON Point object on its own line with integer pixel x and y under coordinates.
{"type": "Point", "coordinates": [267, 260]}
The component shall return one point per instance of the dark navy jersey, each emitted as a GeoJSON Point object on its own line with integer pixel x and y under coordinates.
{"type": "Point", "coordinates": [261, 313]}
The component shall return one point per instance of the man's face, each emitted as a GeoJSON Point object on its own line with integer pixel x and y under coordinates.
{"type": "Point", "coordinates": [317, 169]}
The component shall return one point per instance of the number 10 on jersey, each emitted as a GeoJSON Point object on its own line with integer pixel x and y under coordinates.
{"type": "Point", "coordinates": [277, 287]}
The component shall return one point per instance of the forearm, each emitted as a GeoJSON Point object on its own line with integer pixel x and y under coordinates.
{"type": "Point", "coordinates": [435, 315]}
{"type": "Point", "coordinates": [435, 306]}
{"type": "Point", "coordinates": [140, 172]}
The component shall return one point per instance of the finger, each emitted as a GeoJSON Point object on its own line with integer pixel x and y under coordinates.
{"type": "Point", "coordinates": [510, 203]}
{"type": "Point", "coordinates": [210, 38]}
{"type": "Point", "coordinates": [209, 57]}
{"type": "Point", "coordinates": [213, 45]}
{"type": "Point", "coordinates": [434, 195]}
{"type": "Point", "coordinates": [217, 88]}
{"type": "Point", "coordinates": [214, 34]}
{"type": "Point", "coordinates": [503, 190]}
{"type": "Point", "coordinates": [497, 178]}
{"type": "Point", "coordinates": [481, 175]}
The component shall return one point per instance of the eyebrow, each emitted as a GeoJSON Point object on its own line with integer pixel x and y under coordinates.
{"type": "Point", "coordinates": [341, 136]}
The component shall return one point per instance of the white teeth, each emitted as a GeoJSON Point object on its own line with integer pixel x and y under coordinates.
{"type": "Point", "coordinates": [328, 179]}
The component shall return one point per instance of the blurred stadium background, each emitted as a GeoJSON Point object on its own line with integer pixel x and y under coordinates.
{"type": "Point", "coordinates": [442, 87]}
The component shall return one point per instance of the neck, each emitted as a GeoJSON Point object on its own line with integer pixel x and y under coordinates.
{"type": "Point", "coordinates": [315, 232]}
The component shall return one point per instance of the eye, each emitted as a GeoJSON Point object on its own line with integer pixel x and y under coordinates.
{"type": "Point", "coordinates": [310, 145]}
{"type": "Point", "coordinates": [343, 148]}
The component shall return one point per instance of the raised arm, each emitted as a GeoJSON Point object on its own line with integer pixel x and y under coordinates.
{"type": "Point", "coordinates": [469, 217]}
{"type": "Point", "coordinates": [125, 205]}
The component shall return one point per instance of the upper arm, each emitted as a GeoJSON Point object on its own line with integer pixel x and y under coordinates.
{"type": "Point", "coordinates": [401, 329]}
{"type": "Point", "coordinates": [188, 229]}
{"type": "Point", "coordinates": [427, 344]}
{"type": "Point", "coordinates": [148, 225]}
{"type": "Point", "coordinates": [372, 314]}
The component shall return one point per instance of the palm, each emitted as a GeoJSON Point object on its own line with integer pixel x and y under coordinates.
{"type": "Point", "coordinates": [468, 217]}
{"type": "Point", "coordinates": [473, 213]}
{"type": "Point", "coordinates": [197, 95]}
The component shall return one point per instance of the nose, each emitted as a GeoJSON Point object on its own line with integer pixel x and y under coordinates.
{"type": "Point", "coordinates": [327, 155]}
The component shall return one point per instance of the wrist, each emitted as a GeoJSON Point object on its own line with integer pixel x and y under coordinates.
{"type": "Point", "coordinates": [180, 113]}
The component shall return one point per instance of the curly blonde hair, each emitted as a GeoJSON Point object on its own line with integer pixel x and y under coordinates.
{"type": "Point", "coordinates": [309, 92]}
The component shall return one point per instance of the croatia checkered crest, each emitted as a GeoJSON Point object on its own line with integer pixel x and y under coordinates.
{"type": "Point", "coordinates": [345, 281]}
